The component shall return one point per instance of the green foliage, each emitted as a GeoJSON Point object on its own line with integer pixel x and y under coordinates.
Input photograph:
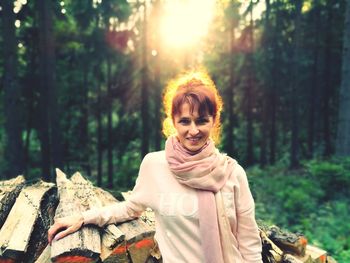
{"type": "Point", "coordinates": [310, 200]}
{"type": "Point", "coordinates": [333, 175]}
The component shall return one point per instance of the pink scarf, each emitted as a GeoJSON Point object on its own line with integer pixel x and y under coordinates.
{"type": "Point", "coordinates": [207, 171]}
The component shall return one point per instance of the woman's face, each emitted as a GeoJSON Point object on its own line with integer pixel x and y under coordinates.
{"type": "Point", "coordinates": [193, 130]}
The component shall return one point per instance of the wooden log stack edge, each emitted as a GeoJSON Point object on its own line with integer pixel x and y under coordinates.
{"type": "Point", "coordinates": [28, 210]}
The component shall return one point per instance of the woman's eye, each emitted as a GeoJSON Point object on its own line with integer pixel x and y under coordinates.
{"type": "Point", "coordinates": [202, 121]}
{"type": "Point", "coordinates": [184, 121]}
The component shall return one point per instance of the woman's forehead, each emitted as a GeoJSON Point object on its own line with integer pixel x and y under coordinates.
{"type": "Point", "coordinates": [187, 110]}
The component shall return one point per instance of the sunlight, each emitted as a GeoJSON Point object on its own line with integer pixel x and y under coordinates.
{"type": "Point", "coordinates": [185, 22]}
{"type": "Point", "coordinates": [258, 9]}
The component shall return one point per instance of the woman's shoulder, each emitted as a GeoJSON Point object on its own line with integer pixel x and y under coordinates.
{"type": "Point", "coordinates": [238, 171]}
{"type": "Point", "coordinates": [154, 158]}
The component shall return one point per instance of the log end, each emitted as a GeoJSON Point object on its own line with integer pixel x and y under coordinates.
{"type": "Point", "coordinates": [76, 256]}
{"type": "Point", "coordinates": [7, 260]}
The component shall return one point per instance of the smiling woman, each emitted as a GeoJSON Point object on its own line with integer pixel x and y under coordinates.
{"type": "Point", "coordinates": [216, 223]}
{"type": "Point", "coordinates": [185, 22]}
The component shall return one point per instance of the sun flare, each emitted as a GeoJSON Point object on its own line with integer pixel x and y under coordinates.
{"type": "Point", "coordinates": [184, 22]}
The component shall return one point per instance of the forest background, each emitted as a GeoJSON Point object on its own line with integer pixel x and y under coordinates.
{"type": "Point", "coordinates": [82, 81]}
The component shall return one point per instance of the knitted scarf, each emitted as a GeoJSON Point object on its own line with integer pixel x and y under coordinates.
{"type": "Point", "coordinates": [207, 171]}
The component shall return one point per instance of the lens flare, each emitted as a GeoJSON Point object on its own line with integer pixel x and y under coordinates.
{"type": "Point", "coordinates": [184, 22]}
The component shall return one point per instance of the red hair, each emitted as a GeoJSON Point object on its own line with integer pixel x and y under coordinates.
{"type": "Point", "coordinates": [199, 91]}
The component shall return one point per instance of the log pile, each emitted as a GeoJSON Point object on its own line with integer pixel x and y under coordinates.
{"type": "Point", "coordinates": [23, 233]}
{"type": "Point", "coordinates": [285, 247]}
{"type": "Point", "coordinates": [28, 210]}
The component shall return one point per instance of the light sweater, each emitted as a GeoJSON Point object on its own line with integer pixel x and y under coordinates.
{"type": "Point", "coordinates": [176, 212]}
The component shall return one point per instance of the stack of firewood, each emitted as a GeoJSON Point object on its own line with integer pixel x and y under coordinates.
{"type": "Point", "coordinates": [28, 210]}
{"type": "Point", "coordinates": [286, 247]}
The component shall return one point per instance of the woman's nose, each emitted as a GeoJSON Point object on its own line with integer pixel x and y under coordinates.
{"type": "Point", "coordinates": [193, 129]}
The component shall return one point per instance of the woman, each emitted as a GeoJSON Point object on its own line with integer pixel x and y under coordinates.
{"type": "Point", "coordinates": [203, 206]}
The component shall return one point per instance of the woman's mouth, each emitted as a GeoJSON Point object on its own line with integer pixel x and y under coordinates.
{"type": "Point", "coordinates": [194, 139]}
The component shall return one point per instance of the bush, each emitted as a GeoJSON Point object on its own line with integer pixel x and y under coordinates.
{"type": "Point", "coordinates": [333, 175]}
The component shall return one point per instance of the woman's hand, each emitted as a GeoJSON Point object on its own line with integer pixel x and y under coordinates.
{"type": "Point", "coordinates": [67, 225]}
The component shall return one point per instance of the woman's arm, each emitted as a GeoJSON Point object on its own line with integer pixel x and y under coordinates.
{"type": "Point", "coordinates": [249, 242]}
{"type": "Point", "coordinates": [118, 212]}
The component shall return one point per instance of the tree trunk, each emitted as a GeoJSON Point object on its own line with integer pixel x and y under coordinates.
{"type": "Point", "coordinates": [53, 92]}
{"type": "Point", "coordinates": [12, 95]}
{"type": "Point", "coordinates": [294, 156]}
{"type": "Point", "coordinates": [327, 83]}
{"type": "Point", "coordinates": [327, 86]}
{"type": "Point", "coordinates": [109, 125]}
{"type": "Point", "coordinates": [49, 128]}
{"type": "Point", "coordinates": [274, 101]}
{"type": "Point", "coordinates": [84, 140]}
{"type": "Point", "coordinates": [266, 42]}
{"type": "Point", "coordinates": [157, 84]}
{"type": "Point", "coordinates": [263, 125]}
{"type": "Point", "coordinates": [99, 136]}
{"type": "Point", "coordinates": [230, 145]}
{"type": "Point", "coordinates": [249, 91]}
{"type": "Point", "coordinates": [272, 131]}
{"type": "Point", "coordinates": [144, 91]}
{"type": "Point", "coordinates": [31, 89]}
{"type": "Point", "coordinates": [314, 83]}
{"type": "Point", "coordinates": [343, 135]}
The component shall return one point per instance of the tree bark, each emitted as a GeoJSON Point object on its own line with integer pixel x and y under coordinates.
{"type": "Point", "coordinates": [54, 109]}
{"type": "Point", "coordinates": [144, 88]}
{"type": "Point", "coordinates": [12, 95]}
{"type": "Point", "coordinates": [343, 134]}
{"type": "Point", "coordinates": [274, 99]}
{"type": "Point", "coordinates": [109, 125]}
{"type": "Point", "coordinates": [84, 140]}
{"type": "Point", "coordinates": [99, 136]}
{"type": "Point", "coordinates": [314, 83]}
{"type": "Point", "coordinates": [294, 156]}
{"type": "Point", "coordinates": [249, 91]}
{"type": "Point", "coordinates": [9, 190]}
{"type": "Point", "coordinates": [27, 223]}
{"type": "Point", "coordinates": [84, 244]}
{"type": "Point", "coordinates": [327, 86]}
{"type": "Point", "coordinates": [230, 144]}
{"type": "Point", "coordinates": [266, 42]}
{"type": "Point", "coordinates": [49, 128]}
{"type": "Point", "coordinates": [157, 84]}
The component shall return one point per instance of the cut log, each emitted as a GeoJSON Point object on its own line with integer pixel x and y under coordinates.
{"type": "Point", "coordinates": [9, 190]}
{"type": "Point", "coordinates": [288, 242]}
{"type": "Point", "coordinates": [139, 236]}
{"type": "Point", "coordinates": [271, 253]}
{"type": "Point", "coordinates": [27, 216]}
{"type": "Point", "coordinates": [331, 260]}
{"type": "Point", "coordinates": [93, 197]}
{"type": "Point", "coordinates": [111, 235]}
{"type": "Point", "coordinates": [317, 255]}
{"type": "Point", "coordinates": [45, 256]}
{"type": "Point", "coordinates": [83, 245]}
{"type": "Point", "coordinates": [38, 240]}
{"type": "Point", "coordinates": [312, 255]}
{"type": "Point", "coordinates": [287, 258]}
